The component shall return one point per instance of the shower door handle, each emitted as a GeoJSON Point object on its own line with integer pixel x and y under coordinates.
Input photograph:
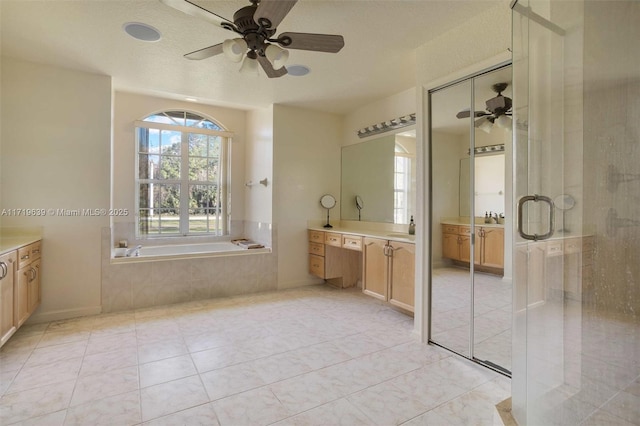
{"type": "Point", "coordinates": [535, 198]}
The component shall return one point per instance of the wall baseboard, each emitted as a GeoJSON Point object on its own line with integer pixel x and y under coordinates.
{"type": "Point", "coordinates": [63, 314]}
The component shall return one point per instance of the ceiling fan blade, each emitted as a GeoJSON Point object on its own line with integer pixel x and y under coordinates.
{"type": "Point", "coordinates": [269, 70]}
{"type": "Point", "coordinates": [316, 42]}
{"type": "Point", "coordinates": [272, 10]}
{"type": "Point", "coordinates": [205, 53]}
{"type": "Point", "coordinates": [465, 113]}
{"type": "Point", "coordinates": [193, 9]}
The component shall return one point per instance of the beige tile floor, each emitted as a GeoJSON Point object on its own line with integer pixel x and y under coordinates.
{"type": "Point", "coordinates": [451, 298]}
{"type": "Point", "coordinates": [311, 356]}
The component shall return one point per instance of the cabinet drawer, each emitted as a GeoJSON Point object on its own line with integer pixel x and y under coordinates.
{"type": "Point", "coordinates": [352, 242]}
{"type": "Point", "coordinates": [333, 239]}
{"type": "Point", "coordinates": [24, 256]}
{"type": "Point", "coordinates": [554, 248]}
{"type": "Point", "coordinates": [28, 254]}
{"type": "Point", "coordinates": [35, 250]}
{"type": "Point", "coordinates": [316, 237]}
{"type": "Point", "coordinates": [316, 248]}
{"type": "Point", "coordinates": [464, 230]}
{"type": "Point", "coordinates": [450, 229]}
{"type": "Point", "coordinates": [572, 245]}
{"type": "Point", "coordinates": [316, 265]}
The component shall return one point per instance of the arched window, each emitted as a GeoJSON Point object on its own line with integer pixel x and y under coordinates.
{"type": "Point", "coordinates": [181, 175]}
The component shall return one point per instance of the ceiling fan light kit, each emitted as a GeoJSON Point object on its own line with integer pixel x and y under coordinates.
{"type": "Point", "coordinates": [277, 55]}
{"type": "Point", "coordinates": [234, 49]}
{"type": "Point", "coordinates": [249, 65]}
{"type": "Point", "coordinates": [257, 26]}
{"type": "Point", "coordinates": [499, 111]}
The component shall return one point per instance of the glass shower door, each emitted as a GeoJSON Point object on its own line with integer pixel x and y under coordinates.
{"type": "Point", "coordinates": [542, 137]}
{"type": "Point", "coordinates": [576, 342]}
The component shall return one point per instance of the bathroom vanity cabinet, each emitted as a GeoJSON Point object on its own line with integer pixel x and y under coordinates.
{"type": "Point", "coordinates": [560, 268]}
{"type": "Point", "coordinates": [389, 271]}
{"type": "Point", "coordinates": [20, 293]}
{"type": "Point", "coordinates": [385, 267]}
{"type": "Point", "coordinates": [28, 282]}
{"type": "Point", "coordinates": [489, 253]}
{"type": "Point", "coordinates": [7, 320]}
{"type": "Point", "coordinates": [335, 257]}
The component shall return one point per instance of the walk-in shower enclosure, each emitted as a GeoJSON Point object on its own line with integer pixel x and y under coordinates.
{"type": "Point", "coordinates": [576, 91]}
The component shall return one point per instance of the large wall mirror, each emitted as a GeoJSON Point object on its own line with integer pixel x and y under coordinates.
{"type": "Point", "coordinates": [381, 172]}
{"type": "Point", "coordinates": [470, 177]}
{"type": "Point", "coordinates": [489, 171]}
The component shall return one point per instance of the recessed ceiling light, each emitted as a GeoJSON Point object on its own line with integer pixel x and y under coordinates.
{"type": "Point", "coordinates": [298, 70]}
{"type": "Point", "coordinates": [141, 31]}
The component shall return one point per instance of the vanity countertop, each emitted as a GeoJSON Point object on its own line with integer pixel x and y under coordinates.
{"type": "Point", "coordinates": [386, 235]}
{"type": "Point", "coordinates": [466, 223]}
{"type": "Point", "coordinates": [14, 242]}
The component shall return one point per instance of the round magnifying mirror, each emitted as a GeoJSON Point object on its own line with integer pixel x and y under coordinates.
{"type": "Point", "coordinates": [327, 201]}
{"type": "Point", "coordinates": [359, 205]}
{"type": "Point", "coordinates": [564, 202]}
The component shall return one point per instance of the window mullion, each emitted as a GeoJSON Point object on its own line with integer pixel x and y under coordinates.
{"type": "Point", "coordinates": [184, 184]}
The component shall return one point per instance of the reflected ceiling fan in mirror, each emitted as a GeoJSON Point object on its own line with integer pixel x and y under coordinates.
{"type": "Point", "coordinates": [499, 111]}
{"type": "Point", "coordinates": [256, 25]}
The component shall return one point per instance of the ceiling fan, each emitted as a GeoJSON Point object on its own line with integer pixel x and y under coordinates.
{"type": "Point", "coordinates": [499, 110]}
{"type": "Point", "coordinates": [256, 24]}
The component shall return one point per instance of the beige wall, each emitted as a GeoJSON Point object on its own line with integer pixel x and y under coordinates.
{"type": "Point", "coordinates": [259, 165]}
{"type": "Point", "coordinates": [55, 155]}
{"type": "Point", "coordinates": [306, 165]}
{"type": "Point", "coordinates": [385, 109]}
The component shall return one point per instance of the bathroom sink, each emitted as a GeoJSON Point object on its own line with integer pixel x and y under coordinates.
{"type": "Point", "coordinates": [401, 235]}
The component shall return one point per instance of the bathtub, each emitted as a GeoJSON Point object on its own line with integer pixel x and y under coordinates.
{"type": "Point", "coordinates": [186, 251]}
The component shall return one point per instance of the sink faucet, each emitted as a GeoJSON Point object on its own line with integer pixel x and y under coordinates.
{"type": "Point", "coordinates": [135, 251]}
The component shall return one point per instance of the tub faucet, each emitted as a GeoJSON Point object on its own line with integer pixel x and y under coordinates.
{"type": "Point", "coordinates": [135, 251]}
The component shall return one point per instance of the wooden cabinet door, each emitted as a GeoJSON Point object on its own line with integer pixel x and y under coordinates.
{"type": "Point", "coordinates": [33, 293]}
{"type": "Point", "coordinates": [450, 249]}
{"type": "Point", "coordinates": [376, 268]}
{"type": "Point", "coordinates": [464, 248]}
{"type": "Point", "coordinates": [7, 320]}
{"type": "Point", "coordinates": [21, 295]}
{"type": "Point", "coordinates": [402, 276]}
{"type": "Point", "coordinates": [493, 247]}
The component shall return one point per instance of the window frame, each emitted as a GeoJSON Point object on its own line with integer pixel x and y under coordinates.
{"type": "Point", "coordinates": [401, 212]}
{"type": "Point", "coordinates": [184, 182]}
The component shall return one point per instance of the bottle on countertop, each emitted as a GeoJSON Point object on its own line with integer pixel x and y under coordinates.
{"type": "Point", "coordinates": [412, 226]}
{"type": "Point", "coordinates": [487, 218]}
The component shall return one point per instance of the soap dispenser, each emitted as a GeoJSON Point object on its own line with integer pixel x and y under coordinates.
{"type": "Point", "coordinates": [412, 227]}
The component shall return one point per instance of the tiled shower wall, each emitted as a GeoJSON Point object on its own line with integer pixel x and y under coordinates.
{"type": "Point", "coordinates": [144, 284]}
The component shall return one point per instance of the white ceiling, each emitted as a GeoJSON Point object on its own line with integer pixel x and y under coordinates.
{"type": "Point", "coordinates": [378, 59]}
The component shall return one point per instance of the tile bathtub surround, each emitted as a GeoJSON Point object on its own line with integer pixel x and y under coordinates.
{"type": "Point", "coordinates": [315, 355]}
{"type": "Point", "coordinates": [128, 286]}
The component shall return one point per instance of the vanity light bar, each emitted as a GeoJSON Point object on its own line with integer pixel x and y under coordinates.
{"type": "Point", "coordinates": [486, 149]}
{"type": "Point", "coordinates": [385, 126]}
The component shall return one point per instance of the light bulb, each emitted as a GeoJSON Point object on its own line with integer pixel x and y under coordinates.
{"type": "Point", "coordinates": [234, 49]}
{"type": "Point", "coordinates": [484, 124]}
{"type": "Point", "coordinates": [504, 121]}
{"type": "Point", "coordinates": [249, 66]}
{"type": "Point", "coordinates": [276, 55]}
